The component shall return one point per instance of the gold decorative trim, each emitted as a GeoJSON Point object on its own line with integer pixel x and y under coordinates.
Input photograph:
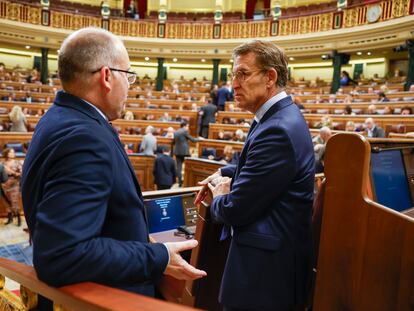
{"type": "Point", "coordinates": [29, 298]}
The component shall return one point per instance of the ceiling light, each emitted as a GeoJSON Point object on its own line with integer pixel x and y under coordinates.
{"type": "Point", "coordinates": [203, 60]}
{"type": "Point", "coordinates": [359, 53]}
{"type": "Point", "coordinates": [368, 53]}
{"type": "Point", "coordinates": [147, 58]}
{"type": "Point", "coordinates": [174, 60]}
{"type": "Point", "coordinates": [27, 46]}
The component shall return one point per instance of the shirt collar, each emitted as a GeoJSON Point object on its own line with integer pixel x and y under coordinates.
{"type": "Point", "coordinates": [97, 109]}
{"type": "Point", "coordinates": [268, 104]}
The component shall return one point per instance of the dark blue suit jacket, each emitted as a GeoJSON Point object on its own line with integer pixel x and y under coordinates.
{"type": "Point", "coordinates": [164, 170]}
{"type": "Point", "coordinates": [269, 208]}
{"type": "Point", "coordinates": [223, 95]}
{"type": "Point", "coordinates": [83, 203]}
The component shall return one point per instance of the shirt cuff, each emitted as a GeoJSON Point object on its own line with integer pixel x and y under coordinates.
{"type": "Point", "coordinates": [168, 252]}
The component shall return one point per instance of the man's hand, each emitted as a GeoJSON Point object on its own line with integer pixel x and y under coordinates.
{"type": "Point", "coordinates": [223, 187]}
{"type": "Point", "coordinates": [178, 267]}
{"type": "Point", "coordinates": [202, 194]}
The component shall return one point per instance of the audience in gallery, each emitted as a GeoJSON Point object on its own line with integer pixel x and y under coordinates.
{"type": "Point", "coordinates": [11, 188]}
{"type": "Point", "coordinates": [129, 115]}
{"type": "Point", "coordinates": [165, 172]}
{"type": "Point", "coordinates": [382, 97]}
{"type": "Point", "coordinates": [350, 126]}
{"type": "Point", "coordinates": [149, 142]}
{"type": "Point", "coordinates": [324, 122]}
{"type": "Point", "coordinates": [373, 130]}
{"type": "Point", "coordinates": [406, 111]}
{"type": "Point", "coordinates": [169, 133]}
{"type": "Point", "coordinates": [18, 119]}
{"type": "Point", "coordinates": [372, 109]}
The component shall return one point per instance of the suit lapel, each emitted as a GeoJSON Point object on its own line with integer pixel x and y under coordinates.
{"type": "Point", "coordinates": [125, 156]}
{"type": "Point", "coordinates": [276, 107]}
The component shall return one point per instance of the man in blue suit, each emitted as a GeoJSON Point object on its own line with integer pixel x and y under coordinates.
{"type": "Point", "coordinates": [81, 198]}
{"type": "Point", "coordinates": [266, 205]}
{"type": "Point", "coordinates": [223, 95]}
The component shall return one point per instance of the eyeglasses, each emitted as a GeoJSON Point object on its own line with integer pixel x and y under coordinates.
{"type": "Point", "coordinates": [131, 76]}
{"type": "Point", "coordinates": [242, 75]}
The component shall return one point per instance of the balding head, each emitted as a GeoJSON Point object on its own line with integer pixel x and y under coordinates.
{"type": "Point", "coordinates": [86, 51]}
{"type": "Point", "coordinates": [325, 133]}
{"type": "Point", "coordinates": [370, 123]}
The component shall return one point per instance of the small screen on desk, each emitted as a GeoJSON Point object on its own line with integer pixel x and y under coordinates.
{"type": "Point", "coordinates": [390, 180]}
{"type": "Point", "coordinates": [164, 213]}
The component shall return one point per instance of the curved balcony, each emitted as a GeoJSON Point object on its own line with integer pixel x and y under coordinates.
{"type": "Point", "coordinates": [345, 30]}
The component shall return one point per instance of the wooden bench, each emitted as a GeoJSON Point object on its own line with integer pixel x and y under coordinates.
{"type": "Point", "coordinates": [366, 256]}
{"type": "Point", "coordinates": [86, 296]}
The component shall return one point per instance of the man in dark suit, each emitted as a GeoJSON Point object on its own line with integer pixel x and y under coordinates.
{"type": "Point", "coordinates": [223, 95]}
{"type": "Point", "coordinates": [373, 130]}
{"type": "Point", "coordinates": [181, 148]}
{"type": "Point", "coordinates": [164, 170]}
{"type": "Point", "coordinates": [266, 204]}
{"type": "Point", "coordinates": [81, 198]}
{"type": "Point", "coordinates": [208, 115]}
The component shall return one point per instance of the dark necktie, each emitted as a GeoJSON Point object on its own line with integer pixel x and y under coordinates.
{"type": "Point", "coordinates": [254, 123]}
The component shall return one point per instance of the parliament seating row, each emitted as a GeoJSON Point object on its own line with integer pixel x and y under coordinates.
{"type": "Point", "coordinates": [387, 122]}
{"type": "Point", "coordinates": [39, 91]}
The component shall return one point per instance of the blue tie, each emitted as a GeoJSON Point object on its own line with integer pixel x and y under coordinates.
{"type": "Point", "coordinates": [254, 123]}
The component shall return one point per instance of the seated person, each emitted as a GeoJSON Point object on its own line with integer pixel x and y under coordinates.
{"type": "Point", "coordinates": [382, 97]}
{"type": "Point", "coordinates": [406, 111]}
{"type": "Point", "coordinates": [372, 129]}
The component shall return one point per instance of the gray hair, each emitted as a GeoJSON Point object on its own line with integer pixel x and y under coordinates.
{"type": "Point", "coordinates": [325, 130]}
{"type": "Point", "coordinates": [85, 51]}
{"type": "Point", "coordinates": [268, 56]}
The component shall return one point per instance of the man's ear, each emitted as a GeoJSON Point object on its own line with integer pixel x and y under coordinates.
{"type": "Point", "coordinates": [272, 75]}
{"type": "Point", "coordinates": [105, 79]}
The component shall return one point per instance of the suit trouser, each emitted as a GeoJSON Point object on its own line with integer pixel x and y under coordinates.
{"type": "Point", "coordinates": [204, 131]}
{"type": "Point", "coordinates": [179, 160]}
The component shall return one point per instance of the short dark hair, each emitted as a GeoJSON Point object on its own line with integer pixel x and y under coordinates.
{"type": "Point", "coordinates": [183, 124]}
{"type": "Point", "coordinates": [268, 55]}
{"type": "Point", "coordinates": [407, 108]}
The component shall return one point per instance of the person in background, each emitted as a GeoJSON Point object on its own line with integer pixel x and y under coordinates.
{"type": "Point", "coordinates": [165, 173]}
{"type": "Point", "coordinates": [350, 126]}
{"type": "Point", "coordinates": [405, 111]}
{"type": "Point", "coordinates": [11, 187]}
{"type": "Point", "coordinates": [223, 95]}
{"type": "Point", "coordinates": [18, 119]}
{"type": "Point", "coordinates": [207, 114]}
{"type": "Point", "coordinates": [382, 97]}
{"type": "Point", "coordinates": [129, 115]}
{"type": "Point", "coordinates": [372, 129]}
{"type": "Point", "coordinates": [345, 79]}
{"type": "Point", "coordinates": [149, 141]}
{"type": "Point", "coordinates": [181, 148]}
{"type": "Point", "coordinates": [372, 109]}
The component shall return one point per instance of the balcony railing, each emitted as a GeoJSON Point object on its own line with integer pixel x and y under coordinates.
{"type": "Point", "coordinates": [351, 17]}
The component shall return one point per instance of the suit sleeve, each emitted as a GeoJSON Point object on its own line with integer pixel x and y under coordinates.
{"type": "Point", "coordinates": [69, 245]}
{"type": "Point", "coordinates": [269, 168]}
{"type": "Point", "coordinates": [228, 170]}
{"type": "Point", "coordinates": [188, 136]}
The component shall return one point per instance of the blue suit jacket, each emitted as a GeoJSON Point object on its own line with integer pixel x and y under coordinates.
{"type": "Point", "coordinates": [83, 203]}
{"type": "Point", "coordinates": [223, 95]}
{"type": "Point", "coordinates": [164, 170]}
{"type": "Point", "coordinates": [269, 208]}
